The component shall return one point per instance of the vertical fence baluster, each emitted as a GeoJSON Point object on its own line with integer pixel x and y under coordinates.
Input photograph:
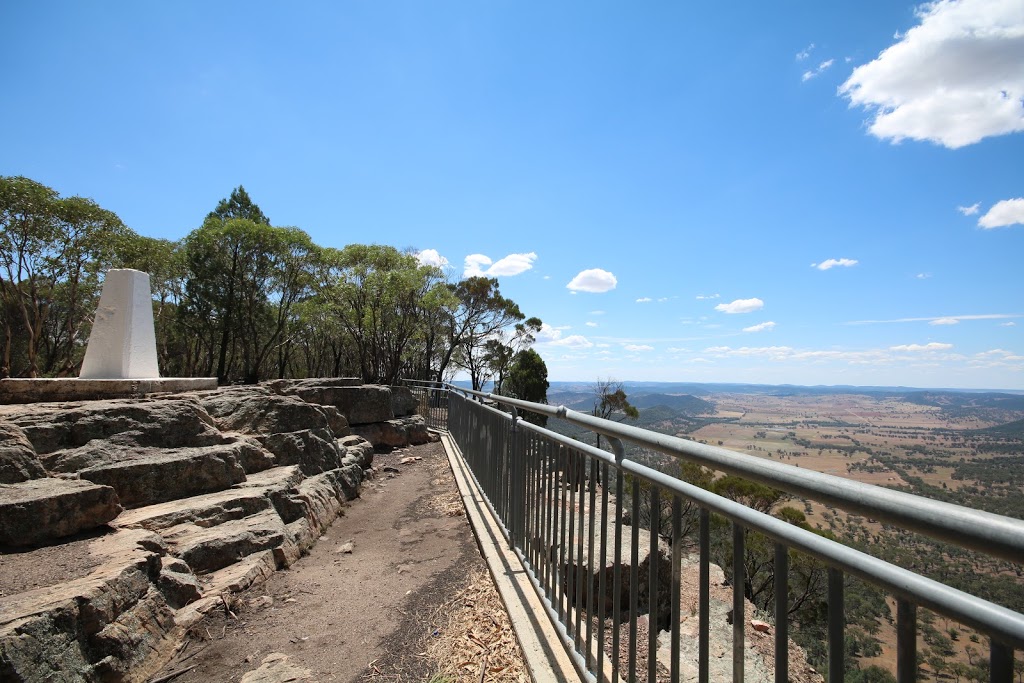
{"type": "Point", "coordinates": [563, 556]}
{"type": "Point", "coordinates": [602, 588]}
{"type": "Point", "coordinates": [591, 535]}
{"type": "Point", "coordinates": [550, 544]}
{"type": "Point", "coordinates": [570, 550]}
{"type": "Point", "coordinates": [1001, 662]}
{"type": "Point", "coordinates": [653, 560]}
{"type": "Point", "coordinates": [906, 641]}
{"type": "Point", "coordinates": [704, 619]}
{"type": "Point", "coordinates": [677, 559]}
{"type": "Point", "coordinates": [738, 606]}
{"type": "Point", "coordinates": [634, 577]}
{"type": "Point", "coordinates": [580, 567]}
{"type": "Point", "coordinates": [617, 576]}
{"type": "Point", "coordinates": [836, 626]}
{"type": "Point", "coordinates": [781, 613]}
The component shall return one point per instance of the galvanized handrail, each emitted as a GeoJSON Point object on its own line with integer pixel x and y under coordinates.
{"type": "Point", "coordinates": [988, 533]}
{"type": "Point", "coordinates": [522, 482]}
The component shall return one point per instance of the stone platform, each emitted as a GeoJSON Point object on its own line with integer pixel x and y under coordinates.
{"type": "Point", "coordinates": [17, 390]}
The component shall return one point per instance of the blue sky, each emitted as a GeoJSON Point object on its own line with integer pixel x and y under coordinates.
{"type": "Point", "coordinates": [799, 192]}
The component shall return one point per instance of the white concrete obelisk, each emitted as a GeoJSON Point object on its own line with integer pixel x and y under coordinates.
{"type": "Point", "coordinates": [122, 344]}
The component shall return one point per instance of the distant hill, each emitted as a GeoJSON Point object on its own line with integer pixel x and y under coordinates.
{"type": "Point", "coordinates": [684, 403]}
{"type": "Point", "coordinates": [1010, 430]}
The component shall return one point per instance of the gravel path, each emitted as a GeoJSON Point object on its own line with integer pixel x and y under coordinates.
{"type": "Point", "coordinates": [351, 616]}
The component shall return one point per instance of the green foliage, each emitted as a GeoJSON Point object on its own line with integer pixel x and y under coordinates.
{"type": "Point", "coordinates": [528, 380]}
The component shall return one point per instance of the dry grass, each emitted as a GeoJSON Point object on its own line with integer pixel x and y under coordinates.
{"type": "Point", "coordinates": [474, 640]}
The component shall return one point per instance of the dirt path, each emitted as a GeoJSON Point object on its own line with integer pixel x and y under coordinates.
{"type": "Point", "coordinates": [350, 616]}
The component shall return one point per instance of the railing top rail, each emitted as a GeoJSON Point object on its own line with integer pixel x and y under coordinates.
{"type": "Point", "coordinates": [985, 532]}
{"type": "Point", "coordinates": [989, 618]}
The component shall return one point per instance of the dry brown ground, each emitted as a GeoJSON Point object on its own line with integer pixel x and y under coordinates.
{"type": "Point", "coordinates": [378, 612]}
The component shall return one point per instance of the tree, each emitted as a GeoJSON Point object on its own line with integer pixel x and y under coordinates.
{"type": "Point", "coordinates": [528, 381]}
{"type": "Point", "coordinates": [381, 299]}
{"type": "Point", "coordinates": [239, 205]}
{"type": "Point", "coordinates": [610, 399]}
{"type": "Point", "coordinates": [480, 313]}
{"type": "Point", "coordinates": [499, 353]}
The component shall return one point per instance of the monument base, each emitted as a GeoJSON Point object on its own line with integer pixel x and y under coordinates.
{"type": "Point", "coordinates": [18, 390]}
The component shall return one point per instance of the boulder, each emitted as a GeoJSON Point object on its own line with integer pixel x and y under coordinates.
{"type": "Point", "coordinates": [18, 459]}
{"type": "Point", "coordinates": [360, 404]}
{"type": "Point", "coordinates": [165, 423]}
{"type": "Point", "coordinates": [314, 450]}
{"type": "Point", "coordinates": [262, 413]}
{"type": "Point", "coordinates": [397, 433]}
{"type": "Point", "coordinates": [154, 475]}
{"type": "Point", "coordinates": [38, 510]}
{"type": "Point", "coordinates": [358, 451]}
{"type": "Point", "coordinates": [178, 584]}
{"type": "Point", "coordinates": [402, 401]}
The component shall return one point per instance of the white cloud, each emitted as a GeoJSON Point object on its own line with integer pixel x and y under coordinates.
{"type": "Point", "coordinates": [944, 321]}
{"type": "Point", "coordinates": [597, 313]}
{"type": "Point", "coordinates": [969, 210]}
{"type": "Point", "coordinates": [548, 334]}
{"type": "Point", "coordinates": [931, 346]}
{"type": "Point", "coordinates": [513, 264]}
{"type": "Point", "coordinates": [741, 306]}
{"type": "Point", "coordinates": [638, 347]}
{"type": "Point", "coordinates": [805, 53]}
{"type": "Point", "coordinates": [1009, 324]}
{"type": "Point", "coordinates": [710, 296]}
{"type": "Point", "coordinates": [644, 300]}
{"type": "Point", "coordinates": [833, 262]}
{"type": "Point", "coordinates": [761, 327]}
{"type": "Point", "coordinates": [1006, 212]}
{"type": "Point", "coordinates": [923, 276]}
{"type": "Point", "coordinates": [593, 280]}
{"type": "Point", "coordinates": [430, 257]}
{"type": "Point", "coordinates": [591, 324]}
{"type": "Point", "coordinates": [983, 316]}
{"type": "Point", "coordinates": [814, 73]}
{"type": "Point", "coordinates": [955, 78]}
{"type": "Point", "coordinates": [573, 341]}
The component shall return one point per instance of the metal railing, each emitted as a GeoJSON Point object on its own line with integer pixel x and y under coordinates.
{"type": "Point", "coordinates": [552, 495]}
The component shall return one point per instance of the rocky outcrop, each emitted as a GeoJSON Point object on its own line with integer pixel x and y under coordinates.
{"type": "Point", "coordinates": [38, 510]}
{"type": "Point", "coordinates": [18, 459]}
{"type": "Point", "coordinates": [395, 433]}
{"type": "Point", "coordinates": [187, 496]}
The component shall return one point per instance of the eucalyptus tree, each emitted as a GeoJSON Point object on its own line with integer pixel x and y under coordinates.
{"type": "Point", "coordinates": [53, 253]}
{"type": "Point", "coordinates": [481, 312]}
{"type": "Point", "coordinates": [382, 299]}
{"type": "Point", "coordinates": [528, 380]}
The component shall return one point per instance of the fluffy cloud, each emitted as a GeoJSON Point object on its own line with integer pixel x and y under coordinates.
{"type": "Point", "coordinates": [591, 324]}
{"type": "Point", "coordinates": [573, 341]}
{"type": "Point", "coordinates": [813, 73]}
{"type": "Point", "coordinates": [833, 262]}
{"type": "Point", "coordinates": [644, 300]}
{"type": "Point", "coordinates": [1006, 212]}
{"type": "Point", "coordinates": [638, 347]}
{"type": "Point", "coordinates": [923, 276]}
{"type": "Point", "coordinates": [741, 306]}
{"type": "Point", "coordinates": [593, 280]}
{"type": "Point", "coordinates": [954, 79]}
{"type": "Point", "coordinates": [969, 210]}
{"type": "Point", "coordinates": [805, 53]}
{"type": "Point", "coordinates": [761, 327]}
{"type": "Point", "coordinates": [931, 346]}
{"type": "Point", "coordinates": [513, 264]}
{"type": "Point", "coordinates": [944, 321]}
{"type": "Point", "coordinates": [430, 257]}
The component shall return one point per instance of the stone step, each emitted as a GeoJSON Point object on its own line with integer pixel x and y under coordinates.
{"type": "Point", "coordinates": [208, 549]}
{"type": "Point", "coordinates": [156, 475]}
{"type": "Point", "coordinates": [39, 510]}
{"type": "Point", "coordinates": [100, 626]}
